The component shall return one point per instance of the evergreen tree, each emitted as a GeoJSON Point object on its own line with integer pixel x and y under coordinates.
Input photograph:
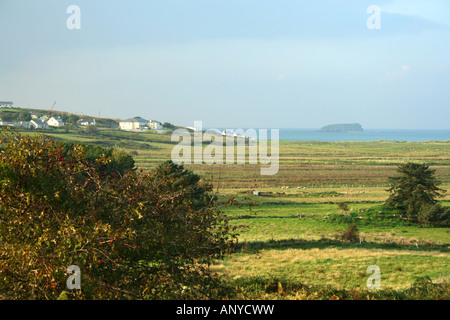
{"type": "Point", "coordinates": [414, 189]}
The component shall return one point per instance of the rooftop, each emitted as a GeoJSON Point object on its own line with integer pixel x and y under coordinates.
{"type": "Point", "coordinates": [140, 120]}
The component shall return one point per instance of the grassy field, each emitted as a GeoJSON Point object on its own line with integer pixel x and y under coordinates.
{"type": "Point", "coordinates": [302, 163]}
{"type": "Point", "coordinates": [290, 242]}
{"type": "Point", "coordinates": [299, 243]}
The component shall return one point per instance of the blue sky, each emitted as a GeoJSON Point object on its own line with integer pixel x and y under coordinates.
{"type": "Point", "coordinates": [232, 63]}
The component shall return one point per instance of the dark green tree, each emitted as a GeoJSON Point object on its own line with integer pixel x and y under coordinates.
{"type": "Point", "coordinates": [414, 190]}
{"type": "Point", "coordinates": [169, 177]}
{"type": "Point", "coordinates": [24, 116]}
{"type": "Point", "coordinates": [91, 129]}
{"type": "Point", "coordinates": [168, 125]}
{"type": "Point", "coordinates": [434, 214]}
{"type": "Point", "coordinates": [70, 118]}
{"type": "Point", "coordinates": [7, 116]}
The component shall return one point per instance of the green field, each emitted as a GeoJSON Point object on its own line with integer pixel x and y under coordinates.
{"type": "Point", "coordinates": [302, 163]}
{"type": "Point", "coordinates": [297, 242]}
{"type": "Point", "coordinates": [289, 242]}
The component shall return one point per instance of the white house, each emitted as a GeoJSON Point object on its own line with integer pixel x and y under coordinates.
{"type": "Point", "coordinates": [134, 124]}
{"type": "Point", "coordinates": [6, 104]}
{"type": "Point", "coordinates": [139, 124]}
{"type": "Point", "coordinates": [37, 124]}
{"type": "Point", "coordinates": [55, 122]}
{"type": "Point", "coordinates": [87, 123]}
{"type": "Point", "coordinates": [155, 125]}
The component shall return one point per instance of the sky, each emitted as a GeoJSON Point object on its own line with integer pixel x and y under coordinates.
{"type": "Point", "coordinates": [232, 63]}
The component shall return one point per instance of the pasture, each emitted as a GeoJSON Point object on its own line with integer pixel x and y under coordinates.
{"type": "Point", "coordinates": [291, 242]}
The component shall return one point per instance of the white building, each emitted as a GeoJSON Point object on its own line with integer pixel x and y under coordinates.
{"type": "Point", "coordinates": [37, 124]}
{"type": "Point", "coordinates": [55, 122]}
{"type": "Point", "coordinates": [24, 124]}
{"type": "Point", "coordinates": [87, 123]}
{"type": "Point", "coordinates": [134, 124]}
{"type": "Point", "coordinates": [155, 125]}
{"type": "Point", "coordinates": [6, 104]}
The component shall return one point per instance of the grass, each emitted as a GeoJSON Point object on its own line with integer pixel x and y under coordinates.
{"type": "Point", "coordinates": [290, 245]}
{"type": "Point", "coordinates": [298, 244]}
{"type": "Point", "coordinates": [342, 268]}
{"type": "Point", "coordinates": [273, 288]}
{"type": "Point", "coordinates": [323, 220]}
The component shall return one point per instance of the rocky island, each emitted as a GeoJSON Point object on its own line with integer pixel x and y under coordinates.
{"type": "Point", "coordinates": [350, 127]}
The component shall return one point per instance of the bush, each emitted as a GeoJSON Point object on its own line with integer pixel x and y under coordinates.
{"type": "Point", "coordinates": [168, 125]}
{"type": "Point", "coordinates": [434, 215]}
{"type": "Point", "coordinates": [351, 234]}
{"type": "Point", "coordinates": [136, 236]}
{"type": "Point", "coordinates": [377, 216]}
{"type": "Point", "coordinates": [343, 206]}
{"type": "Point", "coordinates": [91, 129]}
{"type": "Point", "coordinates": [119, 161]}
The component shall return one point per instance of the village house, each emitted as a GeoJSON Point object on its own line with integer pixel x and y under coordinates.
{"type": "Point", "coordinates": [155, 125]}
{"type": "Point", "coordinates": [55, 122]}
{"type": "Point", "coordinates": [6, 104]}
{"type": "Point", "coordinates": [85, 123]}
{"type": "Point", "coordinates": [139, 124]}
{"type": "Point", "coordinates": [24, 124]}
{"type": "Point", "coordinates": [134, 124]}
{"type": "Point", "coordinates": [37, 124]}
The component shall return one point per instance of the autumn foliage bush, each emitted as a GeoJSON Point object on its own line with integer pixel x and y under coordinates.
{"type": "Point", "coordinates": [134, 235]}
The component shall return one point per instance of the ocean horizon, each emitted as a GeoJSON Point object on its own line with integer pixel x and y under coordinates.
{"type": "Point", "coordinates": [366, 135]}
{"type": "Point", "coordinates": [407, 135]}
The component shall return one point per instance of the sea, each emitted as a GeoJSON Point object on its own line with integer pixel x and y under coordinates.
{"type": "Point", "coordinates": [366, 135]}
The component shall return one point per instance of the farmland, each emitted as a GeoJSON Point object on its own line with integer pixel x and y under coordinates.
{"type": "Point", "coordinates": [302, 163]}
{"type": "Point", "coordinates": [290, 241]}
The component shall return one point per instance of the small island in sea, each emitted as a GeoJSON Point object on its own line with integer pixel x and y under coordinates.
{"type": "Point", "coordinates": [350, 127]}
